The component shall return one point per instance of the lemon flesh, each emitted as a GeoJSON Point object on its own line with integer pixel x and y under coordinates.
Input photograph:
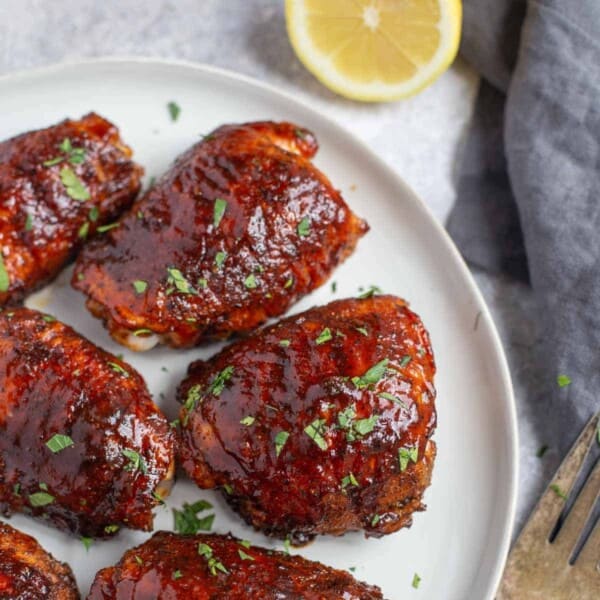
{"type": "Point", "coordinates": [375, 50]}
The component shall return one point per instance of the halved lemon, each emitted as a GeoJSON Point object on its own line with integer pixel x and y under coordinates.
{"type": "Point", "coordinates": [375, 50]}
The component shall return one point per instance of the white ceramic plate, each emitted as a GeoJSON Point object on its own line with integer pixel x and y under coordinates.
{"type": "Point", "coordinates": [458, 546]}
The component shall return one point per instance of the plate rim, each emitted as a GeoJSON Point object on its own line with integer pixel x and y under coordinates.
{"type": "Point", "coordinates": [418, 204]}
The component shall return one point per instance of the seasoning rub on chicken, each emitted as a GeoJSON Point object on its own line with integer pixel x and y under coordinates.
{"type": "Point", "coordinates": [58, 186]}
{"type": "Point", "coordinates": [82, 445]}
{"type": "Point", "coordinates": [240, 228]}
{"type": "Point", "coordinates": [319, 424]}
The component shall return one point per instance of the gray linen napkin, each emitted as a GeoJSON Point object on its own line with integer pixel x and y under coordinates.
{"type": "Point", "coordinates": [529, 182]}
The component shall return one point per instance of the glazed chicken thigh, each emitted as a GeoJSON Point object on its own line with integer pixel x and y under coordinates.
{"type": "Point", "coordinates": [28, 572]}
{"type": "Point", "coordinates": [82, 445]}
{"type": "Point", "coordinates": [57, 186]}
{"type": "Point", "coordinates": [319, 424]}
{"type": "Point", "coordinates": [239, 229]}
{"type": "Point", "coordinates": [207, 567]}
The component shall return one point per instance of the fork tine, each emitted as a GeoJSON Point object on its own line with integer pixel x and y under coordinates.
{"type": "Point", "coordinates": [589, 558]}
{"type": "Point", "coordinates": [550, 505]}
{"type": "Point", "coordinates": [569, 534]}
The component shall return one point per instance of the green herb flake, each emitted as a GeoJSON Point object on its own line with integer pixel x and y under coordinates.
{"type": "Point", "coordinates": [376, 518]}
{"type": "Point", "coordinates": [346, 416]}
{"type": "Point", "coordinates": [280, 440]}
{"type": "Point", "coordinates": [136, 461]}
{"type": "Point", "coordinates": [304, 227]}
{"type": "Point", "coordinates": [138, 560]}
{"type": "Point", "coordinates": [352, 569]}
{"type": "Point", "coordinates": [405, 360]}
{"type": "Point", "coordinates": [41, 499]}
{"type": "Point", "coordinates": [228, 489]}
{"type": "Point", "coordinates": [87, 542]}
{"type": "Point", "coordinates": [372, 376]}
{"type": "Point", "coordinates": [118, 369]}
{"type": "Point", "coordinates": [563, 381]}
{"type": "Point", "coordinates": [187, 521]}
{"type": "Point", "coordinates": [558, 491]}
{"type": "Point", "coordinates": [244, 556]}
{"type": "Point", "coordinates": [407, 454]}
{"type": "Point", "coordinates": [73, 185]}
{"type": "Point", "coordinates": [17, 489]}
{"type": "Point", "coordinates": [284, 343]}
{"type": "Point", "coordinates": [286, 545]}
{"type": "Point", "coordinates": [59, 442]}
{"type": "Point", "coordinates": [324, 336]}
{"type": "Point", "coordinates": [250, 282]}
{"type": "Point", "coordinates": [541, 451]}
{"type": "Point", "coordinates": [370, 292]}
{"type": "Point", "coordinates": [392, 398]}
{"type": "Point", "coordinates": [4, 278]}
{"type": "Point", "coordinates": [218, 383]}
{"type": "Point", "coordinates": [53, 161]}
{"type": "Point", "coordinates": [176, 575]}
{"type": "Point", "coordinates": [174, 110]}
{"type": "Point", "coordinates": [44, 486]}
{"type": "Point", "coordinates": [214, 564]}
{"type": "Point", "coordinates": [142, 332]}
{"type": "Point", "coordinates": [247, 421]}
{"type": "Point", "coordinates": [245, 543]}
{"type": "Point", "coordinates": [218, 211]}
{"type": "Point", "coordinates": [48, 318]}
{"type": "Point", "coordinates": [108, 227]}
{"type": "Point", "coordinates": [28, 222]}
{"type": "Point", "coordinates": [362, 330]}
{"type": "Point", "coordinates": [416, 581]}
{"type": "Point", "coordinates": [333, 287]}
{"type": "Point", "coordinates": [363, 427]}
{"type": "Point", "coordinates": [176, 277]}
{"type": "Point", "coordinates": [140, 286]}
{"type": "Point", "coordinates": [202, 283]}
{"type": "Point", "coordinates": [220, 258]}
{"type": "Point", "coordinates": [349, 480]}
{"type": "Point", "coordinates": [84, 230]}
{"type": "Point", "coordinates": [315, 431]}
{"type": "Point", "coordinates": [194, 396]}
{"type": "Point", "coordinates": [111, 529]}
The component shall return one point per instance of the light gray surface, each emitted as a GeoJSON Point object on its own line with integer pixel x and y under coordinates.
{"type": "Point", "coordinates": [420, 137]}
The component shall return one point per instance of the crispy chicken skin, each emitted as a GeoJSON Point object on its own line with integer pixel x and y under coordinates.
{"type": "Point", "coordinates": [28, 572]}
{"type": "Point", "coordinates": [239, 229]}
{"type": "Point", "coordinates": [41, 224]}
{"type": "Point", "coordinates": [319, 424]}
{"type": "Point", "coordinates": [207, 567]}
{"type": "Point", "coordinates": [118, 453]}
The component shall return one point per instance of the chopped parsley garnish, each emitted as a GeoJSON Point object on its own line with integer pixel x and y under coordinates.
{"type": "Point", "coordinates": [286, 545]}
{"type": "Point", "coordinates": [177, 278]}
{"type": "Point", "coordinates": [315, 432]}
{"type": "Point", "coordinates": [324, 336]}
{"type": "Point", "coordinates": [142, 332]}
{"type": "Point", "coordinates": [289, 283]}
{"type": "Point", "coordinates": [17, 489]}
{"type": "Point", "coordinates": [250, 282]}
{"type": "Point", "coordinates": [405, 360]}
{"type": "Point", "coordinates": [407, 454]}
{"type": "Point", "coordinates": [93, 214]}
{"type": "Point", "coordinates": [59, 442]}
{"type": "Point", "coordinates": [364, 426]}
{"type": "Point", "coordinates": [41, 499]}
{"type": "Point", "coordinates": [111, 529]}
{"type": "Point", "coordinates": [219, 211]}
{"type": "Point", "coordinates": [392, 398]}
{"type": "Point", "coordinates": [49, 318]}
{"type": "Point", "coordinates": [349, 480]}
{"type": "Point", "coordinates": [4, 278]}
{"type": "Point", "coordinates": [74, 155]}
{"type": "Point", "coordinates": [304, 227]}
{"type": "Point", "coordinates": [87, 542]}
{"type": "Point", "coordinates": [333, 287]}
{"type": "Point", "coordinates": [174, 110]}
{"type": "Point", "coordinates": [416, 581]}
{"type": "Point", "coordinates": [214, 564]}
{"type": "Point", "coordinates": [352, 569]}
{"type": "Point", "coordinates": [372, 376]}
{"type": "Point", "coordinates": [73, 185]}
{"type": "Point", "coordinates": [245, 543]}
{"type": "Point", "coordinates": [563, 381]}
{"type": "Point", "coordinates": [228, 488]}
{"type": "Point", "coordinates": [362, 330]}
{"type": "Point", "coordinates": [560, 493]}
{"type": "Point", "coordinates": [186, 520]}
{"type": "Point", "coordinates": [28, 222]}
{"type": "Point", "coordinates": [138, 560]}
{"type": "Point", "coordinates": [108, 227]}
{"type": "Point", "coordinates": [140, 286]}
{"type": "Point", "coordinates": [136, 461]}
{"type": "Point", "coordinates": [355, 430]}
{"type": "Point", "coordinates": [280, 440]}
{"type": "Point", "coordinates": [542, 450]}
{"type": "Point", "coordinates": [118, 369]}
{"type": "Point", "coordinates": [370, 292]}
{"type": "Point", "coordinates": [218, 383]}
{"type": "Point", "coordinates": [299, 133]}
{"type": "Point", "coordinates": [176, 575]}
{"type": "Point", "coordinates": [84, 230]}
{"type": "Point", "coordinates": [202, 283]}
{"type": "Point", "coordinates": [220, 258]}
{"type": "Point", "coordinates": [158, 498]}
{"type": "Point", "coordinates": [244, 556]}
{"type": "Point", "coordinates": [376, 518]}
{"type": "Point", "coordinates": [247, 421]}
{"type": "Point", "coordinates": [193, 397]}
{"type": "Point", "coordinates": [346, 416]}
{"type": "Point", "coordinates": [284, 343]}
{"type": "Point", "coordinates": [194, 394]}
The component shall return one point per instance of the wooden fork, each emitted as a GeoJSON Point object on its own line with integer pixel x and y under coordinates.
{"type": "Point", "coordinates": [538, 569]}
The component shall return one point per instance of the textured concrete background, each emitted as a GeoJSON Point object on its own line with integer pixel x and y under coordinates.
{"type": "Point", "coordinates": [419, 137]}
